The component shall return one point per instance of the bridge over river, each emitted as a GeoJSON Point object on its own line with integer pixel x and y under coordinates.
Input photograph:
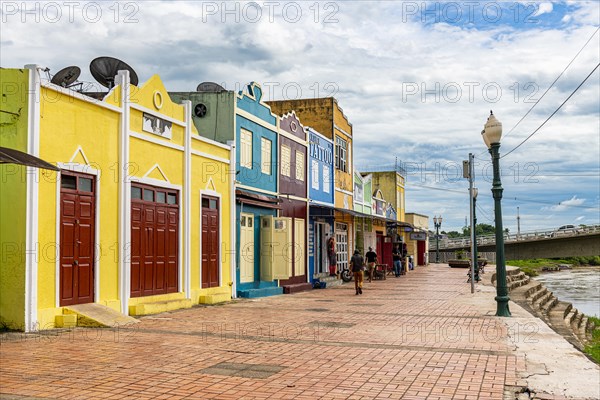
{"type": "Point", "coordinates": [580, 241]}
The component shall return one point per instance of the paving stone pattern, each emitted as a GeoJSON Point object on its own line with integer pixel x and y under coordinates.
{"type": "Point", "coordinates": [418, 340]}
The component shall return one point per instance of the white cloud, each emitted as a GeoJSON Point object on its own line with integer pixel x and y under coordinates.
{"type": "Point", "coordinates": [564, 205]}
{"type": "Point", "coordinates": [543, 8]}
{"type": "Point", "coordinates": [414, 91]}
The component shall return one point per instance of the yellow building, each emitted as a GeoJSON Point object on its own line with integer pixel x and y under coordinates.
{"type": "Point", "coordinates": [418, 239]}
{"type": "Point", "coordinates": [137, 221]}
{"type": "Point", "coordinates": [327, 117]}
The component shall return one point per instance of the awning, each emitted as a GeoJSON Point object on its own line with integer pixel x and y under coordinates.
{"type": "Point", "coordinates": [12, 156]}
{"type": "Point", "coordinates": [256, 199]}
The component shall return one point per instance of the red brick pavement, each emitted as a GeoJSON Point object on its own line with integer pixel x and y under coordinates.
{"type": "Point", "coordinates": [413, 337]}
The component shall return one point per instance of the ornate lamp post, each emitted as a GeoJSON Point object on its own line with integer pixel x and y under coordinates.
{"type": "Point", "coordinates": [437, 222]}
{"type": "Point", "coordinates": [491, 134]}
{"type": "Point", "coordinates": [474, 194]}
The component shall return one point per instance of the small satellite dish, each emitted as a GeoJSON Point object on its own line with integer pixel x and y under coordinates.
{"type": "Point", "coordinates": [210, 87]}
{"type": "Point", "coordinates": [104, 70]}
{"type": "Point", "coordinates": [66, 76]}
{"type": "Point", "coordinates": [200, 110]}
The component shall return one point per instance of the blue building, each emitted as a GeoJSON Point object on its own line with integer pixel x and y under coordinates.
{"type": "Point", "coordinates": [262, 238]}
{"type": "Point", "coordinates": [243, 120]}
{"type": "Point", "coordinates": [321, 201]}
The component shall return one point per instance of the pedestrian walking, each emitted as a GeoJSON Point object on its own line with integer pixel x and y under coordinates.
{"type": "Point", "coordinates": [357, 261]}
{"type": "Point", "coordinates": [332, 256]}
{"type": "Point", "coordinates": [397, 257]}
{"type": "Point", "coordinates": [371, 257]}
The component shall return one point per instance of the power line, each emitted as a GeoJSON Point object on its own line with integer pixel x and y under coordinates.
{"type": "Point", "coordinates": [551, 203]}
{"type": "Point", "coordinates": [552, 84]}
{"type": "Point", "coordinates": [549, 87]}
{"type": "Point", "coordinates": [555, 111]}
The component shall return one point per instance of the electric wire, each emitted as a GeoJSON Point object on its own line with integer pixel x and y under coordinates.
{"type": "Point", "coordinates": [514, 198]}
{"type": "Point", "coordinates": [549, 87]}
{"type": "Point", "coordinates": [552, 115]}
{"type": "Point", "coordinates": [552, 84]}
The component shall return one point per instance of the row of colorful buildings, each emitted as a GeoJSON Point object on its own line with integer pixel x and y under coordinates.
{"type": "Point", "coordinates": [166, 199]}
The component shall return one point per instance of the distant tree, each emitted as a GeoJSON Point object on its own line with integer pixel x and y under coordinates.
{"type": "Point", "coordinates": [480, 230]}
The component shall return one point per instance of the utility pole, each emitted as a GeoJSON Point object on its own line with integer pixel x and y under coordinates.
{"type": "Point", "coordinates": [469, 174]}
{"type": "Point", "coordinates": [518, 224]}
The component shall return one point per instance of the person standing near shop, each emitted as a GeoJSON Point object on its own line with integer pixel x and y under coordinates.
{"type": "Point", "coordinates": [371, 257]}
{"type": "Point", "coordinates": [397, 257]}
{"type": "Point", "coordinates": [332, 256]}
{"type": "Point", "coordinates": [356, 262]}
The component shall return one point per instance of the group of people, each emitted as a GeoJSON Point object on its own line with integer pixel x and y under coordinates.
{"type": "Point", "coordinates": [357, 263]}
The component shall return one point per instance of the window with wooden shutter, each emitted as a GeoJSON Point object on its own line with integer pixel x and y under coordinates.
{"type": "Point", "coordinates": [286, 155]}
{"type": "Point", "coordinates": [265, 162]}
{"type": "Point", "coordinates": [246, 149]}
{"type": "Point", "coordinates": [299, 165]}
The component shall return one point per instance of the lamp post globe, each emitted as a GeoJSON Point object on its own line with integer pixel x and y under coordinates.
{"type": "Point", "coordinates": [492, 133]}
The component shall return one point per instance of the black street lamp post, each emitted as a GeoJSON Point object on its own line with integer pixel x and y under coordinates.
{"type": "Point", "coordinates": [491, 134]}
{"type": "Point", "coordinates": [437, 222]}
{"type": "Point", "coordinates": [477, 277]}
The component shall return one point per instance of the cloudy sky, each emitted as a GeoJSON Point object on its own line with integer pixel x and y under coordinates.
{"type": "Point", "coordinates": [416, 79]}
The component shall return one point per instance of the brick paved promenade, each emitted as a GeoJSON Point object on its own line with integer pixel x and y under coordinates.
{"type": "Point", "coordinates": [420, 336]}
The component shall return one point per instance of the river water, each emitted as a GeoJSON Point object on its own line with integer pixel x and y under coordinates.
{"type": "Point", "coordinates": [581, 287]}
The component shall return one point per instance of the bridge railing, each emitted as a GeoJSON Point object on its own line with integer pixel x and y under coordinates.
{"type": "Point", "coordinates": [445, 256]}
{"type": "Point", "coordinates": [516, 237]}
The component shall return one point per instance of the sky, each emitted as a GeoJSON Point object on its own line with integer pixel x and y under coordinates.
{"type": "Point", "coordinates": [417, 80]}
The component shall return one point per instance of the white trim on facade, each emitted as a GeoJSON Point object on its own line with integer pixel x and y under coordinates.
{"type": "Point", "coordinates": [256, 189]}
{"type": "Point", "coordinates": [344, 191]}
{"type": "Point", "coordinates": [210, 156]}
{"type": "Point", "coordinates": [155, 140]}
{"type": "Point", "coordinates": [213, 142]}
{"type": "Point", "coordinates": [187, 193]}
{"type": "Point", "coordinates": [124, 195]}
{"type": "Point", "coordinates": [32, 198]}
{"type": "Point", "coordinates": [343, 131]}
{"type": "Point", "coordinates": [296, 139]}
{"type": "Point", "coordinates": [256, 120]}
{"type": "Point", "coordinates": [84, 169]}
{"type": "Point", "coordinates": [80, 96]}
{"type": "Point", "coordinates": [157, 114]}
{"type": "Point", "coordinates": [320, 203]}
{"type": "Point", "coordinates": [232, 220]}
{"type": "Point", "coordinates": [152, 168]}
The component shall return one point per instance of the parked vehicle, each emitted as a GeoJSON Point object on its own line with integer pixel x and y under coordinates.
{"type": "Point", "coordinates": [563, 230]}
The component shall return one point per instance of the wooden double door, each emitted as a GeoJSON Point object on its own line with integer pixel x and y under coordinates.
{"type": "Point", "coordinates": [77, 238]}
{"type": "Point", "coordinates": [154, 240]}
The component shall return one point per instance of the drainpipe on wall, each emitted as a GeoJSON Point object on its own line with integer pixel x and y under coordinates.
{"type": "Point", "coordinates": [31, 214]}
{"type": "Point", "coordinates": [233, 224]}
{"type": "Point", "coordinates": [187, 199]}
{"type": "Point", "coordinates": [124, 194]}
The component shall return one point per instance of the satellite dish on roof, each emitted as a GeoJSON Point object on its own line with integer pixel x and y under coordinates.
{"type": "Point", "coordinates": [210, 87]}
{"type": "Point", "coordinates": [104, 70]}
{"type": "Point", "coordinates": [66, 76]}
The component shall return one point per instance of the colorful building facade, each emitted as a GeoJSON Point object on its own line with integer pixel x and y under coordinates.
{"type": "Point", "coordinates": [321, 205]}
{"type": "Point", "coordinates": [247, 123]}
{"type": "Point", "coordinates": [327, 117]}
{"type": "Point", "coordinates": [136, 218]}
{"type": "Point", "coordinates": [293, 185]}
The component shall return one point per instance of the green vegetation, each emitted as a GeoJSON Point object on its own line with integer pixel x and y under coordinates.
{"type": "Point", "coordinates": [593, 348]}
{"type": "Point", "coordinates": [532, 267]}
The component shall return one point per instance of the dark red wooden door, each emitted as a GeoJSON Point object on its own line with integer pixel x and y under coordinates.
{"type": "Point", "coordinates": [154, 239]}
{"type": "Point", "coordinates": [210, 242]}
{"type": "Point", "coordinates": [421, 252]}
{"type": "Point", "coordinates": [77, 226]}
{"type": "Point", "coordinates": [379, 249]}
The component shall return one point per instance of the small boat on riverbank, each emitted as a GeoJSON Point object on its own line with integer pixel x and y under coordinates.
{"type": "Point", "coordinates": [557, 267]}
